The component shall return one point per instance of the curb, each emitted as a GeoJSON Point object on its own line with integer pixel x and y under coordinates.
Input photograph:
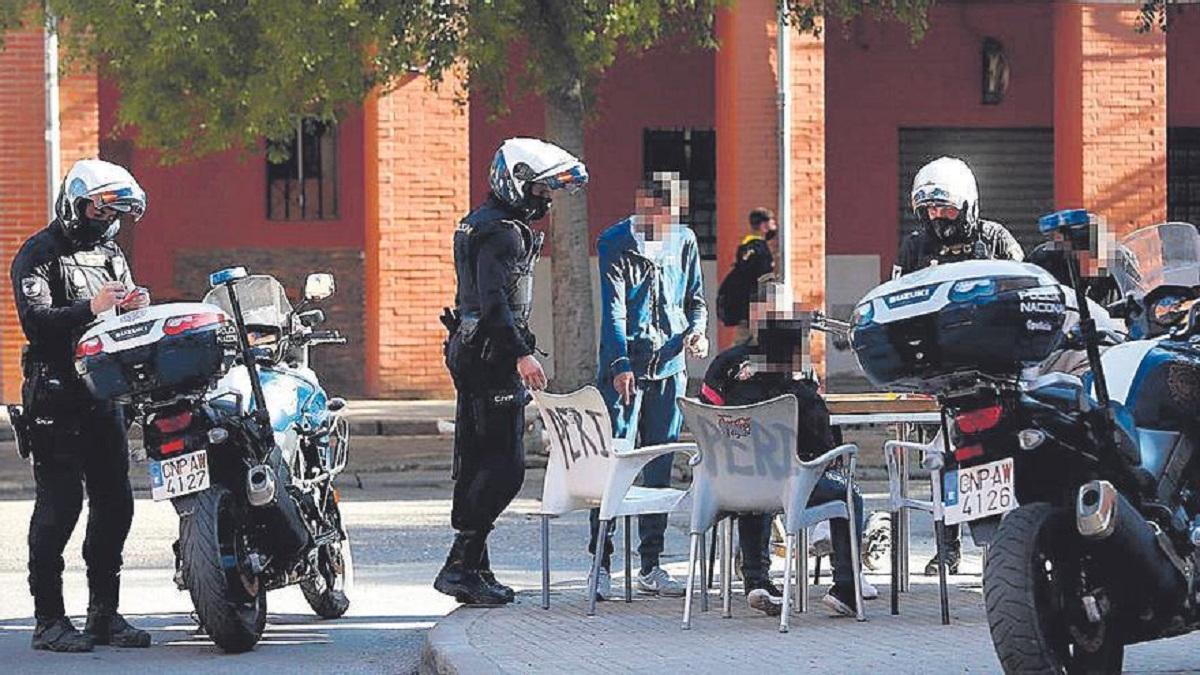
{"type": "Point", "coordinates": [447, 649]}
{"type": "Point", "coordinates": [400, 427]}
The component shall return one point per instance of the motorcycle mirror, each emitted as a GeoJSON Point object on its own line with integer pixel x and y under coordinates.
{"type": "Point", "coordinates": [311, 318]}
{"type": "Point", "coordinates": [318, 286]}
{"type": "Point", "coordinates": [226, 275]}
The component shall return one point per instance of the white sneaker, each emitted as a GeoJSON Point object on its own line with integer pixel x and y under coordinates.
{"type": "Point", "coordinates": [659, 582]}
{"type": "Point", "coordinates": [869, 592]}
{"type": "Point", "coordinates": [603, 585]}
{"type": "Point", "coordinates": [763, 601]}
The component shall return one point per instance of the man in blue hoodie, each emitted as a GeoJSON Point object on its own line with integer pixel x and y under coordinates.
{"type": "Point", "coordinates": [652, 315]}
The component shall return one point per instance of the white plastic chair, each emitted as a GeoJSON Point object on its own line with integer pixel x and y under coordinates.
{"type": "Point", "coordinates": [748, 464]}
{"type": "Point", "coordinates": [588, 469]}
{"type": "Point", "coordinates": [932, 456]}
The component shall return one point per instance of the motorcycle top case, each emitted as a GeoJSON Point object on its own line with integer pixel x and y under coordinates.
{"type": "Point", "coordinates": [156, 352]}
{"type": "Point", "coordinates": [989, 316]}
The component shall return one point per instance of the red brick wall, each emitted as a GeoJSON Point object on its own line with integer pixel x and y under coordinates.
{"type": "Point", "coordinates": [418, 180]}
{"type": "Point", "coordinates": [747, 141]}
{"type": "Point", "coordinates": [808, 171]}
{"type": "Point", "coordinates": [1113, 133]}
{"type": "Point", "coordinates": [23, 165]}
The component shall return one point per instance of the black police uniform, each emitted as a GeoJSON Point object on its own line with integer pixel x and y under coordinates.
{"type": "Point", "coordinates": [74, 439]}
{"type": "Point", "coordinates": [993, 241]}
{"type": "Point", "coordinates": [494, 255]}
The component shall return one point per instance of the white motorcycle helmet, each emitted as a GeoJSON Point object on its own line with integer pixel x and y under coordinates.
{"type": "Point", "coordinates": [522, 162]}
{"type": "Point", "coordinates": [108, 187]}
{"type": "Point", "coordinates": [947, 181]}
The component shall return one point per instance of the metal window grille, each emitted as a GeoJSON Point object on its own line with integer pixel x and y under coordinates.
{"type": "Point", "coordinates": [692, 153]}
{"type": "Point", "coordinates": [305, 185]}
{"type": "Point", "coordinates": [1183, 174]}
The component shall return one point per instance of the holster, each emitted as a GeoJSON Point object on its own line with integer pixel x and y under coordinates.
{"type": "Point", "coordinates": [21, 430]}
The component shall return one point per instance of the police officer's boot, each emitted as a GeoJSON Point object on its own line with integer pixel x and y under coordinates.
{"type": "Point", "coordinates": [58, 634]}
{"type": "Point", "coordinates": [460, 576]}
{"type": "Point", "coordinates": [104, 624]}
{"type": "Point", "coordinates": [485, 571]}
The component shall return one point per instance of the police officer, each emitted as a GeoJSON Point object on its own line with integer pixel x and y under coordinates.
{"type": "Point", "coordinates": [945, 199]}
{"type": "Point", "coordinates": [63, 278]}
{"type": "Point", "coordinates": [490, 352]}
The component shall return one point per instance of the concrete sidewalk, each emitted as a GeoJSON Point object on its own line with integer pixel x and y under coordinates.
{"type": "Point", "coordinates": [646, 637]}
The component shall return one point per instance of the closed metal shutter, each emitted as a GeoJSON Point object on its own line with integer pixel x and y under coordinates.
{"type": "Point", "coordinates": [1013, 167]}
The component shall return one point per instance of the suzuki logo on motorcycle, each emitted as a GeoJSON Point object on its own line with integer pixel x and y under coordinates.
{"type": "Point", "coordinates": [131, 332]}
{"type": "Point", "coordinates": [909, 297]}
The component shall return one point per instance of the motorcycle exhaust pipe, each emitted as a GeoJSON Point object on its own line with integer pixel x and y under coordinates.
{"type": "Point", "coordinates": [286, 533]}
{"type": "Point", "coordinates": [260, 485]}
{"type": "Point", "coordinates": [1109, 521]}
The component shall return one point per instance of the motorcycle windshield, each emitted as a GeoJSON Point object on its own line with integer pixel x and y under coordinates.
{"type": "Point", "coordinates": [263, 301]}
{"type": "Point", "coordinates": [1167, 254]}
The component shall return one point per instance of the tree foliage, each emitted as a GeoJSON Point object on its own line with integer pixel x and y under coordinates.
{"type": "Point", "coordinates": [198, 76]}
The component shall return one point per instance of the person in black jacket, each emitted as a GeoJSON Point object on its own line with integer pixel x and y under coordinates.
{"type": "Point", "coordinates": [761, 369]}
{"type": "Point", "coordinates": [490, 353]}
{"type": "Point", "coordinates": [945, 200]}
{"type": "Point", "coordinates": [63, 277]}
{"type": "Point", "coordinates": [753, 262]}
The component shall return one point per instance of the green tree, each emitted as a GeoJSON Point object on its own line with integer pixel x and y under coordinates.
{"type": "Point", "coordinates": [198, 76]}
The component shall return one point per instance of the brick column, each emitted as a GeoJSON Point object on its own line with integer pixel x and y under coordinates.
{"type": "Point", "coordinates": [23, 165]}
{"type": "Point", "coordinates": [1110, 115]}
{"type": "Point", "coordinates": [747, 141]}
{"type": "Point", "coordinates": [417, 185]}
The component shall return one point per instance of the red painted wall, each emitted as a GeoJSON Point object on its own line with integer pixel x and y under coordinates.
{"type": "Point", "coordinates": [1183, 68]}
{"type": "Point", "coordinates": [877, 82]}
{"type": "Point", "coordinates": [219, 201]}
{"type": "Point", "coordinates": [667, 87]}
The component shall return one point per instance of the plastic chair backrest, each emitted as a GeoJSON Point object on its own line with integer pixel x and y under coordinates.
{"type": "Point", "coordinates": [581, 449]}
{"type": "Point", "coordinates": [747, 454]}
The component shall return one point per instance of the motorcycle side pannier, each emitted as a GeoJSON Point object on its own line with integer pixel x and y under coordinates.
{"type": "Point", "coordinates": [156, 352]}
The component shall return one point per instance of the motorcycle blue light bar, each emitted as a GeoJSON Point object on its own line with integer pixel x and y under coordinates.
{"type": "Point", "coordinates": [1071, 218]}
{"type": "Point", "coordinates": [226, 275]}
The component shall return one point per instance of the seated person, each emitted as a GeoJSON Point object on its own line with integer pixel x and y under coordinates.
{"type": "Point", "coordinates": [763, 368]}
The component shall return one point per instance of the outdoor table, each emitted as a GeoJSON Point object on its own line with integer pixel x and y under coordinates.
{"type": "Point", "coordinates": [907, 411]}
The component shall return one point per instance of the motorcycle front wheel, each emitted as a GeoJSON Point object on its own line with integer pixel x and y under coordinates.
{"type": "Point", "coordinates": [326, 591]}
{"type": "Point", "coordinates": [1030, 600]}
{"type": "Point", "coordinates": [229, 599]}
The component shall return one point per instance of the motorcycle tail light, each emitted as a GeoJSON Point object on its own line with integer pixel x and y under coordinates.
{"type": "Point", "coordinates": [975, 421]}
{"type": "Point", "coordinates": [171, 447]}
{"type": "Point", "coordinates": [968, 452]}
{"type": "Point", "coordinates": [174, 423]}
{"type": "Point", "coordinates": [90, 347]}
{"type": "Point", "coordinates": [182, 324]}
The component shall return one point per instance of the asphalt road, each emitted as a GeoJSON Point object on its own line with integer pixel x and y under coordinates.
{"type": "Point", "coordinates": [397, 508]}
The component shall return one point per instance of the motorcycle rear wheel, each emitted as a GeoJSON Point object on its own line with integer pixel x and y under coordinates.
{"type": "Point", "coordinates": [1026, 595]}
{"type": "Point", "coordinates": [230, 601]}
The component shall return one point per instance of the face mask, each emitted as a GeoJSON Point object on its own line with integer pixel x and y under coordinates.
{"type": "Point", "coordinates": [770, 234]}
{"type": "Point", "coordinates": [536, 208]}
{"type": "Point", "coordinates": [90, 232]}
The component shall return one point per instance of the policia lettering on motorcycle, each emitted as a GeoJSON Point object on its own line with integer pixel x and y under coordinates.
{"type": "Point", "coordinates": [945, 199]}
{"type": "Point", "coordinates": [63, 277]}
{"type": "Point", "coordinates": [490, 352]}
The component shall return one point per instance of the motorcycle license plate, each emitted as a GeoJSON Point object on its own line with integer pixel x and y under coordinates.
{"type": "Point", "coordinates": [979, 491]}
{"type": "Point", "coordinates": [178, 476]}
